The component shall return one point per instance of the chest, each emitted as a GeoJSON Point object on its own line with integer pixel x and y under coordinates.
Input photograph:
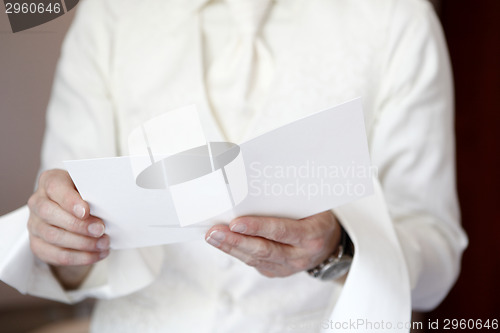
{"type": "Point", "coordinates": [327, 60]}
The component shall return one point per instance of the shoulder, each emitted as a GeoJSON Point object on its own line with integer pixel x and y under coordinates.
{"type": "Point", "coordinates": [374, 17]}
{"type": "Point", "coordinates": [378, 11]}
{"type": "Point", "coordinates": [392, 20]}
{"type": "Point", "coordinates": [109, 8]}
{"type": "Point", "coordinates": [386, 10]}
{"type": "Point", "coordinates": [143, 9]}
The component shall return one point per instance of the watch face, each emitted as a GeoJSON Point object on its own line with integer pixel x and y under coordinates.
{"type": "Point", "coordinates": [336, 269]}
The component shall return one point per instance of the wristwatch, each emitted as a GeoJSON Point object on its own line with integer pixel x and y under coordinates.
{"type": "Point", "coordinates": [338, 264]}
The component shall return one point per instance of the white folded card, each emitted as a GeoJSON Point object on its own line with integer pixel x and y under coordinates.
{"type": "Point", "coordinates": [175, 185]}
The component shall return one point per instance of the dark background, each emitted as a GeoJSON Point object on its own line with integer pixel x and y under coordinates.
{"type": "Point", "coordinates": [472, 30]}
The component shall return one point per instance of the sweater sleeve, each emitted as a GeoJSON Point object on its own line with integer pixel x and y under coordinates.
{"type": "Point", "coordinates": [80, 124]}
{"type": "Point", "coordinates": [412, 145]}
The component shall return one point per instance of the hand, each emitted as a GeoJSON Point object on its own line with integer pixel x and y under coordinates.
{"type": "Point", "coordinates": [62, 232]}
{"type": "Point", "coordinates": [278, 247]}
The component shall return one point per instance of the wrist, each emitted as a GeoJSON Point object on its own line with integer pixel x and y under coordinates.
{"type": "Point", "coordinates": [338, 263]}
{"type": "Point", "coordinates": [70, 277]}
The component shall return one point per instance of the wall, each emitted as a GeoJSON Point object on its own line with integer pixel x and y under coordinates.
{"type": "Point", "coordinates": [473, 33]}
{"type": "Point", "coordinates": [27, 64]}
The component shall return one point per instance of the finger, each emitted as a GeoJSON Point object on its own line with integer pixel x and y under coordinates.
{"type": "Point", "coordinates": [58, 256]}
{"type": "Point", "coordinates": [282, 230]}
{"type": "Point", "coordinates": [244, 256]}
{"type": "Point", "coordinates": [271, 274]}
{"type": "Point", "coordinates": [253, 257]}
{"type": "Point", "coordinates": [59, 187]}
{"type": "Point", "coordinates": [63, 238]}
{"type": "Point", "coordinates": [251, 250]}
{"type": "Point", "coordinates": [51, 213]}
{"type": "Point", "coordinates": [266, 268]}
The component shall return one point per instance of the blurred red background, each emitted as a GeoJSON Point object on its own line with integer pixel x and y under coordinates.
{"type": "Point", "coordinates": [472, 30]}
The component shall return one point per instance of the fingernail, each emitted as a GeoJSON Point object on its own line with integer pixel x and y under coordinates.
{"type": "Point", "coordinates": [103, 244]}
{"type": "Point", "coordinates": [239, 228]}
{"type": "Point", "coordinates": [103, 254]}
{"type": "Point", "coordinates": [96, 229]}
{"type": "Point", "coordinates": [215, 238]}
{"type": "Point", "coordinates": [79, 211]}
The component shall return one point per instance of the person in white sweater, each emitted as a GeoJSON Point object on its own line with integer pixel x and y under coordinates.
{"type": "Point", "coordinates": [250, 66]}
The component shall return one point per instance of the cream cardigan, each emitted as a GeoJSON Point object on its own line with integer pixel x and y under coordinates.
{"type": "Point", "coordinates": [124, 61]}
